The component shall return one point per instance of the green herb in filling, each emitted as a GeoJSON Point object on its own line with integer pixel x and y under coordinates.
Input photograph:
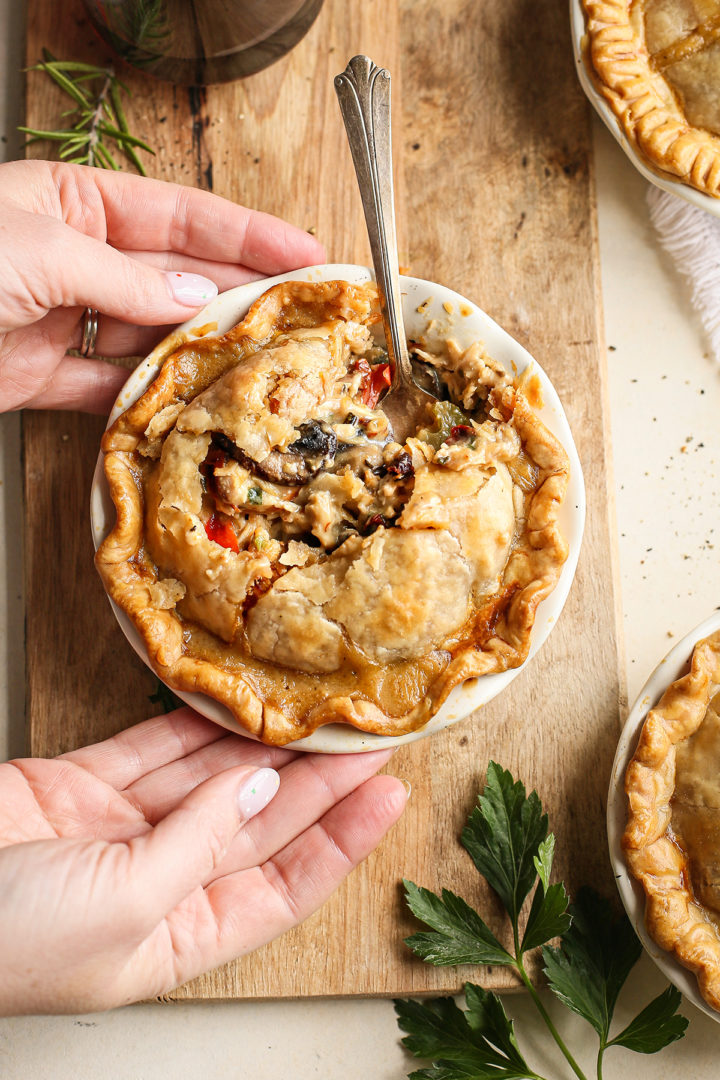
{"type": "Point", "coordinates": [447, 416]}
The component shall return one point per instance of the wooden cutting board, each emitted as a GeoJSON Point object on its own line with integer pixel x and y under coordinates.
{"type": "Point", "coordinates": [496, 200]}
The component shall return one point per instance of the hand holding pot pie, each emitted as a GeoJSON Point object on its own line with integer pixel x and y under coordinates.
{"type": "Point", "coordinates": [143, 252]}
{"type": "Point", "coordinates": [133, 865]}
{"type": "Point", "coordinates": [109, 853]}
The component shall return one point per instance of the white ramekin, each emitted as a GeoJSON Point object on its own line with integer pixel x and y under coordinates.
{"type": "Point", "coordinates": [672, 667]}
{"type": "Point", "coordinates": [451, 315]}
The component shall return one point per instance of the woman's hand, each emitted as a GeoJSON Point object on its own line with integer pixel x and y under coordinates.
{"type": "Point", "coordinates": [133, 865]}
{"type": "Point", "coordinates": [146, 254]}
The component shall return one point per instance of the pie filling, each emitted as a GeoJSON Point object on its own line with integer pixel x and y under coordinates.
{"type": "Point", "coordinates": [287, 543]}
{"type": "Point", "coordinates": [294, 525]}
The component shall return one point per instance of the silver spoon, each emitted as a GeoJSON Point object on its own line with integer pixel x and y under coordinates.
{"type": "Point", "coordinates": [363, 91]}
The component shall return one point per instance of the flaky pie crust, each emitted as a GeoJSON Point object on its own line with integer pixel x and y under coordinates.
{"type": "Point", "coordinates": [530, 575]}
{"type": "Point", "coordinates": [674, 918]}
{"type": "Point", "coordinates": [645, 104]}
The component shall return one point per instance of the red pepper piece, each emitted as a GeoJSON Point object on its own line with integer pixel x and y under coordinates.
{"type": "Point", "coordinates": [221, 532]}
{"type": "Point", "coordinates": [374, 523]}
{"type": "Point", "coordinates": [373, 384]}
{"type": "Point", "coordinates": [460, 431]}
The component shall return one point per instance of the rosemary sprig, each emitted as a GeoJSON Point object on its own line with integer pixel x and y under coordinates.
{"type": "Point", "coordinates": [139, 30]}
{"type": "Point", "coordinates": [97, 119]}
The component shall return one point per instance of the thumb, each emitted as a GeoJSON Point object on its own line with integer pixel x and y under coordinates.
{"type": "Point", "coordinates": [184, 849]}
{"type": "Point", "coordinates": [95, 274]}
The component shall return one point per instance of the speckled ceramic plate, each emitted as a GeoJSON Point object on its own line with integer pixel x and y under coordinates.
{"type": "Point", "coordinates": [596, 99]}
{"type": "Point", "coordinates": [674, 666]}
{"type": "Point", "coordinates": [467, 323]}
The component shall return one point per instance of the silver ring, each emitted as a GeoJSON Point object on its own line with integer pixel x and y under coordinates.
{"type": "Point", "coordinates": [89, 332]}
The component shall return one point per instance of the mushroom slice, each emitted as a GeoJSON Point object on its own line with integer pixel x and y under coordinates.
{"type": "Point", "coordinates": [303, 459]}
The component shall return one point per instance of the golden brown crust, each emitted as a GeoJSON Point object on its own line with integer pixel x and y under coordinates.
{"type": "Point", "coordinates": [648, 109]}
{"type": "Point", "coordinates": [291, 303]}
{"type": "Point", "coordinates": [497, 638]}
{"type": "Point", "coordinates": [674, 918]}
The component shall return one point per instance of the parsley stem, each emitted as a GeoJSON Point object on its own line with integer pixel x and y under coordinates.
{"type": "Point", "coordinates": [548, 1022]}
{"type": "Point", "coordinates": [601, 1051]}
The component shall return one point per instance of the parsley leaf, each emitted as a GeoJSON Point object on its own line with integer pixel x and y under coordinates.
{"type": "Point", "coordinates": [548, 916]}
{"type": "Point", "coordinates": [503, 837]}
{"type": "Point", "coordinates": [544, 859]}
{"type": "Point", "coordinates": [478, 1043]}
{"type": "Point", "coordinates": [507, 838]}
{"type": "Point", "coordinates": [587, 970]}
{"type": "Point", "coordinates": [461, 935]}
{"type": "Point", "coordinates": [656, 1026]}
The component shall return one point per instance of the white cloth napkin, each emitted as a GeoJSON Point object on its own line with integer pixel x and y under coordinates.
{"type": "Point", "coordinates": [692, 237]}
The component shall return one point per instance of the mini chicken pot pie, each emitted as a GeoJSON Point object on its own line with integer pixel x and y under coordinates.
{"type": "Point", "coordinates": [280, 552]}
{"type": "Point", "coordinates": [672, 838]}
{"type": "Point", "coordinates": [657, 63]}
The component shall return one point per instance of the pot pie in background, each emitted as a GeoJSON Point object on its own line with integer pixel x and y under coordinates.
{"type": "Point", "coordinates": [672, 838]}
{"type": "Point", "coordinates": [657, 63]}
{"type": "Point", "coordinates": [278, 551]}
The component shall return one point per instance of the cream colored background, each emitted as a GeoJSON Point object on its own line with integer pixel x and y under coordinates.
{"type": "Point", "coordinates": [664, 401]}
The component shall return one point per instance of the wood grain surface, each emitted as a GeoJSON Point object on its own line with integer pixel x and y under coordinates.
{"type": "Point", "coordinates": [496, 200]}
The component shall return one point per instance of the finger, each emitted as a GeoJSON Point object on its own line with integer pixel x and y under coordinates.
{"type": "Point", "coordinates": [157, 792]}
{"type": "Point", "coordinates": [253, 906]}
{"type": "Point", "coordinates": [30, 355]}
{"type": "Point", "coordinates": [118, 338]}
{"type": "Point", "coordinates": [311, 786]}
{"type": "Point", "coordinates": [76, 383]}
{"type": "Point", "coordinates": [121, 339]}
{"type": "Point", "coordinates": [144, 214]}
{"type": "Point", "coordinates": [36, 373]}
{"type": "Point", "coordinates": [163, 867]}
{"type": "Point", "coordinates": [97, 275]}
{"type": "Point", "coordinates": [225, 275]}
{"type": "Point", "coordinates": [131, 754]}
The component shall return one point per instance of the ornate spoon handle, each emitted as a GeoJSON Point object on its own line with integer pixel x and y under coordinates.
{"type": "Point", "coordinates": [363, 91]}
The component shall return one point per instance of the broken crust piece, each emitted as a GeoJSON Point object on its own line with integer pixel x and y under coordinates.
{"type": "Point", "coordinates": [277, 550]}
{"type": "Point", "coordinates": [671, 841]}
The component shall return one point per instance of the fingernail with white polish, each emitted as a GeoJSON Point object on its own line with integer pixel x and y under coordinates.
{"type": "Point", "coordinates": [190, 289]}
{"type": "Point", "coordinates": [256, 792]}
